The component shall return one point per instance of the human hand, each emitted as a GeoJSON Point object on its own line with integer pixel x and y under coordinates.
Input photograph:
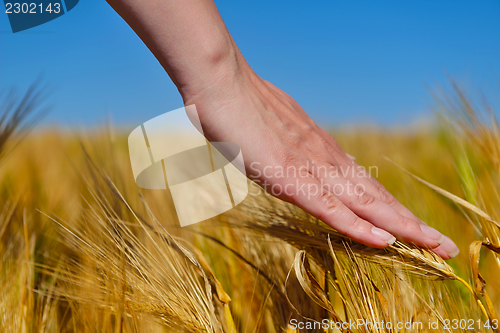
{"type": "Point", "coordinates": [295, 160]}
{"type": "Point", "coordinates": [190, 40]}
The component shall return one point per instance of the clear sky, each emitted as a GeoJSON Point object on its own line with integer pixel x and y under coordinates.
{"type": "Point", "coordinates": [345, 62]}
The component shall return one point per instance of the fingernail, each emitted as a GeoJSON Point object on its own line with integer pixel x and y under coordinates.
{"type": "Point", "coordinates": [447, 250]}
{"type": "Point", "coordinates": [383, 235]}
{"type": "Point", "coordinates": [433, 233]}
{"type": "Point", "coordinates": [350, 156]}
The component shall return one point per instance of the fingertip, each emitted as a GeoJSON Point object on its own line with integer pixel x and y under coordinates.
{"type": "Point", "coordinates": [419, 234]}
{"type": "Point", "coordinates": [383, 235]}
{"type": "Point", "coordinates": [433, 233]}
{"type": "Point", "coordinates": [363, 232]}
{"type": "Point", "coordinates": [447, 250]}
{"type": "Point", "coordinates": [412, 232]}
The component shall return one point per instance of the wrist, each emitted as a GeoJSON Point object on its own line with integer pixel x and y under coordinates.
{"type": "Point", "coordinates": [223, 67]}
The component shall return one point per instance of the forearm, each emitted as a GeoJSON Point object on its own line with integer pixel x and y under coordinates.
{"type": "Point", "coordinates": [189, 39]}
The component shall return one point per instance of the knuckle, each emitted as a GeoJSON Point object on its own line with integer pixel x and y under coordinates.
{"type": "Point", "coordinates": [330, 202]}
{"type": "Point", "coordinates": [308, 129]}
{"type": "Point", "coordinates": [385, 196]}
{"type": "Point", "coordinates": [296, 138]}
{"type": "Point", "coordinates": [364, 199]}
{"type": "Point", "coordinates": [357, 225]}
{"type": "Point", "coordinates": [408, 225]}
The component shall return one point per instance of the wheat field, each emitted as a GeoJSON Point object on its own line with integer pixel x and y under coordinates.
{"type": "Point", "coordinates": [83, 249]}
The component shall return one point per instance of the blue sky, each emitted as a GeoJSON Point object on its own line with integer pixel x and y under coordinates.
{"type": "Point", "coordinates": [345, 62]}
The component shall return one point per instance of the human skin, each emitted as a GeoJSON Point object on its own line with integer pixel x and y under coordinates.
{"type": "Point", "coordinates": [234, 104]}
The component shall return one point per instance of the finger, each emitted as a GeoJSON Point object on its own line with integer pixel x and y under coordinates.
{"type": "Point", "coordinates": [447, 250]}
{"type": "Point", "coordinates": [381, 214]}
{"type": "Point", "coordinates": [309, 195]}
{"type": "Point", "coordinates": [383, 195]}
{"type": "Point", "coordinates": [359, 175]}
{"type": "Point", "coordinates": [375, 188]}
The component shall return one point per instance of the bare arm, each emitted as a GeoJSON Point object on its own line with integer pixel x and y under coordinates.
{"type": "Point", "coordinates": [188, 37]}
